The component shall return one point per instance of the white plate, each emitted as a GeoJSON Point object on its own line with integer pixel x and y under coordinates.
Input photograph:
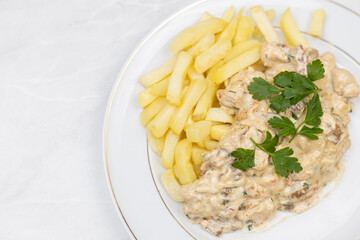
{"type": "Point", "coordinates": [133, 172]}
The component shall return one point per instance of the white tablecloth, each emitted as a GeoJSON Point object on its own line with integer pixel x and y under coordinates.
{"type": "Point", "coordinates": [58, 62]}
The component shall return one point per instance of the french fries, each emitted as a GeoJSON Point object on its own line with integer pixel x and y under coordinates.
{"type": "Point", "coordinates": [145, 98]}
{"type": "Point", "coordinates": [206, 42]}
{"type": "Point", "coordinates": [191, 35]}
{"type": "Point", "coordinates": [317, 23]}
{"type": "Point", "coordinates": [195, 75]}
{"type": "Point", "coordinates": [176, 81]}
{"type": "Point", "coordinates": [154, 76]}
{"type": "Point", "coordinates": [156, 144]}
{"type": "Point", "coordinates": [206, 101]}
{"type": "Point", "coordinates": [192, 95]}
{"type": "Point", "coordinates": [171, 185]}
{"type": "Point", "coordinates": [210, 144]}
{"type": "Point", "coordinates": [160, 88]}
{"type": "Point", "coordinates": [228, 14]}
{"type": "Point", "coordinates": [151, 110]}
{"type": "Point", "coordinates": [183, 118]}
{"type": "Point", "coordinates": [217, 131]}
{"type": "Point", "coordinates": [184, 168]}
{"type": "Point", "coordinates": [205, 16]}
{"type": "Point", "coordinates": [244, 30]}
{"type": "Point", "coordinates": [240, 48]}
{"type": "Point", "coordinates": [230, 30]}
{"type": "Point", "coordinates": [270, 15]}
{"type": "Point", "coordinates": [292, 33]}
{"type": "Point", "coordinates": [160, 124]}
{"type": "Point", "coordinates": [198, 131]}
{"type": "Point", "coordinates": [264, 24]}
{"type": "Point", "coordinates": [219, 115]}
{"type": "Point", "coordinates": [168, 153]}
{"type": "Point", "coordinates": [197, 154]}
{"type": "Point", "coordinates": [213, 55]}
{"type": "Point", "coordinates": [230, 68]}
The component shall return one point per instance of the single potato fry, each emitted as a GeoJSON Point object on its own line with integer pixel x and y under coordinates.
{"type": "Point", "coordinates": [270, 15]}
{"type": "Point", "coordinates": [197, 154]}
{"type": "Point", "coordinates": [195, 75]}
{"type": "Point", "coordinates": [154, 76]}
{"type": "Point", "coordinates": [210, 144]}
{"type": "Point", "coordinates": [189, 121]}
{"type": "Point", "coordinates": [200, 144]}
{"type": "Point", "coordinates": [291, 30]}
{"type": "Point", "coordinates": [168, 153]}
{"type": "Point", "coordinates": [230, 68]}
{"type": "Point", "coordinates": [206, 101]}
{"type": "Point", "coordinates": [317, 23]}
{"type": "Point", "coordinates": [264, 24]}
{"type": "Point", "coordinates": [206, 42]}
{"type": "Point", "coordinates": [228, 14]}
{"type": "Point", "coordinates": [186, 173]}
{"type": "Point", "coordinates": [192, 95]}
{"type": "Point", "coordinates": [177, 77]}
{"type": "Point", "coordinates": [193, 34]}
{"type": "Point", "coordinates": [213, 55]}
{"type": "Point", "coordinates": [219, 115]}
{"type": "Point", "coordinates": [217, 131]}
{"type": "Point", "coordinates": [230, 30]}
{"type": "Point", "coordinates": [156, 144]}
{"type": "Point", "coordinates": [151, 110]}
{"type": "Point", "coordinates": [240, 48]}
{"type": "Point", "coordinates": [171, 185]}
{"type": "Point", "coordinates": [198, 131]}
{"type": "Point", "coordinates": [205, 16]}
{"type": "Point", "coordinates": [197, 169]}
{"type": "Point", "coordinates": [160, 88]}
{"type": "Point", "coordinates": [184, 168]}
{"type": "Point", "coordinates": [245, 29]}
{"type": "Point", "coordinates": [145, 98]}
{"type": "Point", "coordinates": [160, 124]}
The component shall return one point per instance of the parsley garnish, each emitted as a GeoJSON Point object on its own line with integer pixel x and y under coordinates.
{"type": "Point", "coordinates": [289, 88]}
{"type": "Point", "coordinates": [245, 158]}
{"type": "Point", "coordinates": [313, 113]}
{"type": "Point", "coordinates": [315, 70]}
{"type": "Point", "coordinates": [283, 163]}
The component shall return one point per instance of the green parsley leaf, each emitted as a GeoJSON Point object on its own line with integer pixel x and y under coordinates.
{"type": "Point", "coordinates": [285, 125]}
{"type": "Point", "coordinates": [300, 87]}
{"type": "Point", "coordinates": [269, 143]}
{"type": "Point", "coordinates": [245, 158]}
{"type": "Point", "coordinates": [262, 89]}
{"type": "Point", "coordinates": [313, 111]}
{"type": "Point", "coordinates": [284, 164]}
{"type": "Point", "coordinates": [284, 79]}
{"type": "Point", "coordinates": [310, 132]}
{"type": "Point", "coordinates": [315, 70]}
{"type": "Point", "coordinates": [279, 103]}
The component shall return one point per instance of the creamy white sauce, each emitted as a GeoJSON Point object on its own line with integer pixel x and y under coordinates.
{"type": "Point", "coordinates": [226, 199]}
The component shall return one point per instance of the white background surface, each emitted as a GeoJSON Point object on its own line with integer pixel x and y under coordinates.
{"type": "Point", "coordinates": [58, 62]}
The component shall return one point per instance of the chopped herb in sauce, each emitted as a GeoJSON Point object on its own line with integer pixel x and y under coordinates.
{"type": "Point", "coordinates": [286, 204]}
{"type": "Point", "coordinates": [250, 226]}
{"type": "Point", "coordinates": [244, 193]}
{"type": "Point", "coordinates": [290, 56]}
{"type": "Point", "coordinates": [231, 91]}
